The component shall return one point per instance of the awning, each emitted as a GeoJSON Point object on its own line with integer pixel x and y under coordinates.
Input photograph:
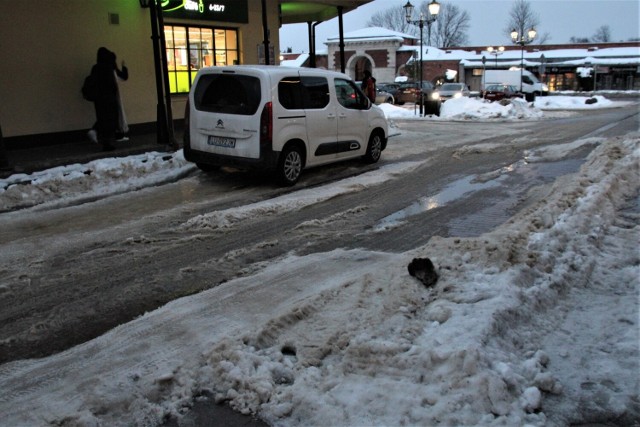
{"type": "Point", "coordinates": [298, 11]}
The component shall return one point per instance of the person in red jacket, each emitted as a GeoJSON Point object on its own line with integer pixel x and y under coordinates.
{"type": "Point", "coordinates": [369, 86]}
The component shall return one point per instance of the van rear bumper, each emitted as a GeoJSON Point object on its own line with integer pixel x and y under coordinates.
{"type": "Point", "coordinates": [268, 159]}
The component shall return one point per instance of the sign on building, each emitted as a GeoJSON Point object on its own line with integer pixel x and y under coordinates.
{"type": "Point", "coordinates": [207, 10]}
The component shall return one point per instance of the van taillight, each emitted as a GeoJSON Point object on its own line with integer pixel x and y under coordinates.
{"type": "Point", "coordinates": [266, 124]}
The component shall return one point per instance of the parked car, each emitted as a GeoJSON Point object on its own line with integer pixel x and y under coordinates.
{"type": "Point", "coordinates": [453, 90]}
{"type": "Point", "coordinates": [280, 119]}
{"type": "Point", "coordinates": [496, 92]}
{"type": "Point", "coordinates": [410, 92]}
{"type": "Point", "coordinates": [383, 97]}
{"type": "Point", "coordinates": [524, 80]}
{"type": "Point", "coordinates": [392, 88]}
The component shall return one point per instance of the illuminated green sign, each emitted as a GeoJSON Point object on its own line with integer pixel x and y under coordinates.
{"type": "Point", "coordinates": [207, 10]}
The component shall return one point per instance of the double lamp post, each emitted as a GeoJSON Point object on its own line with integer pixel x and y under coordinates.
{"type": "Point", "coordinates": [496, 51]}
{"type": "Point", "coordinates": [434, 9]}
{"type": "Point", "coordinates": [522, 39]}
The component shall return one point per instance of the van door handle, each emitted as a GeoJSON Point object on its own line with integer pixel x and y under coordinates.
{"type": "Point", "coordinates": [343, 116]}
{"type": "Point", "coordinates": [331, 116]}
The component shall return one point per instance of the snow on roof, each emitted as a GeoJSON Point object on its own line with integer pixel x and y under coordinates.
{"type": "Point", "coordinates": [601, 56]}
{"type": "Point", "coordinates": [430, 53]}
{"type": "Point", "coordinates": [372, 33]}
{"type": "Point", "coordinates": [579, 56]}
{"type": "Point", "coordinates": [295, 62]}
{"type": "Point", "coordinates": [618, 52]}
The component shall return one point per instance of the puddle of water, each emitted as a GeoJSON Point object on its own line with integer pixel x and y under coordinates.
{"type": "Point", "coordinates": [521, 171]}
{"type": "Point", "coordinates": [551, 170]}
{"type": "Point", "coordinates": [451, 192]}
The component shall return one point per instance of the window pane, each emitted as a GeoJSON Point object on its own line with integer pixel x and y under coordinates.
{"type": "Point", "coordinates": [192, 48]}
{"type": "Point", "coordinates": [232, 39]}
{"type": "Point", "coordinates": [180, 51]}
{"type": "Point", "coordinates": [221, 39]}
{"type": "Point", "coordinates": [168, 35]}
{"type": "Point", "coordinates": [232, 57]}
{"type": "Point", "coordinates": [347, 94]}
{"type": "Point", "coordinates": [290, 93]}
{"type": "Point", "coordinates": [195, 59]}
{"type": "Point", "coordinates": [173, 87]}
{"type": "Point", "coordinates": [183, 81]}
{"type": "Point", "coordinates": [317, 92]}
{"type": "Point", "coordinates": [220, 46]}
{"type": "Point", "coordinates": [221, 57]}
{"type": "Point", "coordinates": [207, 47]}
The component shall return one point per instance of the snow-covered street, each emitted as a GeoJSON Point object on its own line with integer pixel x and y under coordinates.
{"type": "Point", "coordinates": [533, 323]}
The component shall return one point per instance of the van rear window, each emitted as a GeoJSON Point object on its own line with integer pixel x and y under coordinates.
{"type": "Point", "coordinates": [228, 94]}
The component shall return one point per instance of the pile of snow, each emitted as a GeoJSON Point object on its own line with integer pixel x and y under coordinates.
{"type": "Point", "coordinates": [475, 108]}
{"type": "Point", "coordinates": [573, 102]}
{"type": "Point", "coordinates": [82, 182]}
{"type": "Point", "coordinates": [468, 108]}
{"type": "Point", "coordinates": [519, 330]}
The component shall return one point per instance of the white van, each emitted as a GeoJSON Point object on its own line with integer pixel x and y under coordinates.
{"type": "Point", "coordinates": [531, 86]}
{"type": "Point", "coordinates": [283, 119]}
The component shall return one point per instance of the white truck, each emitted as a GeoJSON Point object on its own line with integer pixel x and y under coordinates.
{"type": "Point", "coordinates": [531, 86]}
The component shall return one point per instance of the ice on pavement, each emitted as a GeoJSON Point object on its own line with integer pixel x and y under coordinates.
{"type": "Point", "coordinates": [100, 178]}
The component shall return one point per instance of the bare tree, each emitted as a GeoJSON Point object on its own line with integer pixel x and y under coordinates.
{"type": "Point", "coordinates": [393, 19]}
{"type": "Point", "coordinates": [521, 18]}
{"type": "Point", "coordinates": [449, 29]}
{"type": "Point", "coordinates": [576, 40]}
{"type": "Point", "coordinates": [602, 35]}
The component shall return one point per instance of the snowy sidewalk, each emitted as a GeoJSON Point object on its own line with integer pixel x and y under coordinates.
{"type": "Point", "coordinates": [40, 158]}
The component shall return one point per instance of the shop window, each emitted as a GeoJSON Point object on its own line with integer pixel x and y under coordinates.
{"type": "Point", "coordinates": [191, 48]}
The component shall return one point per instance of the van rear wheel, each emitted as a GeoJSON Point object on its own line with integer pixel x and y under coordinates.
{"type": "Point", "coordinates": [289, 165]}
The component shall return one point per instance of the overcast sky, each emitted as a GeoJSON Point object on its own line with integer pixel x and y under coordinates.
{"type": "Point", "coordinates": [562, 19]}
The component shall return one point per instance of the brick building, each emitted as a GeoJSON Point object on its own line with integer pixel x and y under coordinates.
{"type": "Point", "coordinates": [389, 54]}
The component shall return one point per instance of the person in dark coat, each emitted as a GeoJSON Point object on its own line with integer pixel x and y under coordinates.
{"type": "Point", "coordinates": [107, 101]}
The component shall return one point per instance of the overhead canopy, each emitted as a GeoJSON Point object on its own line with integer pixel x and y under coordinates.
{"type": "Point", "coordinates": [297, 11]}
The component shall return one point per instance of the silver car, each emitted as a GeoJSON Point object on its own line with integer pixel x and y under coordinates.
{"type": "Point", "coordinates": [453, 90]}
{"type": "Point", "coordinates": [383, 97]}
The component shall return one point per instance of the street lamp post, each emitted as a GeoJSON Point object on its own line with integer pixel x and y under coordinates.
{"type": "Point", "coordinates": [495, 51]}
{"type": "Point", "coordinates": [522, 40]}
{"type": "Point", "coordinates": [434, 9]}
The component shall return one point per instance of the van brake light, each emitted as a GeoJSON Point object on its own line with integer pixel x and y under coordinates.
{"type": "Point", "coordinates": [266, 124]}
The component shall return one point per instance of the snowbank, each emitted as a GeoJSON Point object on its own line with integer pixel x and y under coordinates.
{"type": "Point", "coordinates": [82, 182]}
{"type": "Point", "coordinates": [468, 108]}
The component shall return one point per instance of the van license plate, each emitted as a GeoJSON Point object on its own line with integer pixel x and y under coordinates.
{"type": "Point", "coordinates": [222, 142]}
